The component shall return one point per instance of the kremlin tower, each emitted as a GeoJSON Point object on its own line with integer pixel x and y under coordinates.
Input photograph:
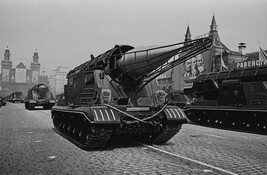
{"type": "Point", "coordinates": [19, 78]}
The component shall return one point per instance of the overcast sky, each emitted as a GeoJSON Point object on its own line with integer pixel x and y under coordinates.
{"type": "Point", "coordinates": [66, 32]}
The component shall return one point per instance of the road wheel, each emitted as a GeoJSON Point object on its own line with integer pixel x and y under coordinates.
{"type": "Point", "coordinates": [75, 133]}
{"type": "Point", "coordinates": [70, 129]}
{"type": "Point", "coordinates": [82, 135]}
{"type": "Point", "coordinates": [31, 106]}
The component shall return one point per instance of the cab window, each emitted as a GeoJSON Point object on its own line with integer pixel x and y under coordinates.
{"type": "Point", "coordinates": [89, 79]}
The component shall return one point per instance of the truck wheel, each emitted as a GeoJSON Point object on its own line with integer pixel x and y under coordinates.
{"type": "Point", "coordinates": [31, 106]}
{"type": "Point", "coordinates": [27, 105]}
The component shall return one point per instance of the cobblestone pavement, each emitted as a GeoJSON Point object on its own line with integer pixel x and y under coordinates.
{"type": "Point", "coordinates": [28, 145]}
{"type": "Point", "coordinates": [241, 153]}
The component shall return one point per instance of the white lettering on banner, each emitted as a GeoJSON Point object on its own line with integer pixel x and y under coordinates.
{"type": "Point", "coordinates": [250, 64]}
{"type": "Point", "coordinates": [237, 65]}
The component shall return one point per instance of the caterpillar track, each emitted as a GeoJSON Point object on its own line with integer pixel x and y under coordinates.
{"type": "Point", "coordinates": [83, 134]}
{"type": "Point", "coordinates": [164, 134]}
{"type": "Point", "coordinates": [86, 135]}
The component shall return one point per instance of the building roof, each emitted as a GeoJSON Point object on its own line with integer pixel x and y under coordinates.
{"type": "Point", "coordinates": [213, 26]}
{"type": "Point", "coordinates": [254, 55]}
{"type": "Point", "coordinates": [21, 65]}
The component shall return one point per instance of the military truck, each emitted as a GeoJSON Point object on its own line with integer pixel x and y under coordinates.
{"type": "Point", "coordinates": [116, 94]}
{"type": "Point", "coordinates": [235, 99]}
{"type": "Point", "coordinates": [16, 97]}
{"type": "Point", "coordinates": [39, 95]}
{"type": "Point", "coordinates": [2, 102]}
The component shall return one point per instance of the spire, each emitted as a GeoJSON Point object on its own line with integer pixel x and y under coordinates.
{"type": "Point", "coordinates": [7, 53]}
{"type": "Point", "coordinates": [35, 56]}
{"type": "Point", "coordinates": [213, 26]}
{"type": "Point", "coordinates": [35, 67]}
{"type": "Point", "coordinates": [188, 34]}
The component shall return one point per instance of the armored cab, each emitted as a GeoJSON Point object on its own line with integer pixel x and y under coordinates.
{"type": "Point", "coordinates": [116, 93]}
{"type": "Point", "coordinates": [39, 95]}
{"type": "Point", "coordinates": [176, 97]}
{"type": "Point", "coordinates": [235, 99]}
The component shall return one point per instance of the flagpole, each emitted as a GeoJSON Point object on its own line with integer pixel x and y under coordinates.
{"type": "Point", "coordinates": [221, 59]}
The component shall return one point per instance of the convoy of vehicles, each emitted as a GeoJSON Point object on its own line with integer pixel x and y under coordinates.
{"type": "Point", "coordinates": [116, 94]}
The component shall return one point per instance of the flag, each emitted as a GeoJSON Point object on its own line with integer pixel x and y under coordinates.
{"type": "Point", "coordinates": [262, 55]}
{"type": "Point", "coordinates": [223, 66]}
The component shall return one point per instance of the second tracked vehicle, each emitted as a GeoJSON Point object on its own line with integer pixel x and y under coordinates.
{"type": "Point", "coordinates": [39, 95]}
{"type": "Point", "coordinates": [115, 94]}
{"type": "Point", "coordinates": [235, 99]}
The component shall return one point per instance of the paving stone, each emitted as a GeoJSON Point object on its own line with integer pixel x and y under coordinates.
{"type": "Point", "coordinates": [241, 153]}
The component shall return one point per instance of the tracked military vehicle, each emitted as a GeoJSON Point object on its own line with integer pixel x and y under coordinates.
{"type": "Point", "coordinates": [39, 95]}
{"type": "Point", "coordinates": [115, 94]}
{"type": "Point", "coordinates": [235, 99]}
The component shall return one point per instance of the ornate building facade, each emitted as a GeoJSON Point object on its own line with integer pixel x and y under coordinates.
{"type": "Point", "coordinates": [19, 78]}
{"type": "Point", "coordinates": [216, 59]}
{"type": "Point", "coordinates": [58, 80]}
